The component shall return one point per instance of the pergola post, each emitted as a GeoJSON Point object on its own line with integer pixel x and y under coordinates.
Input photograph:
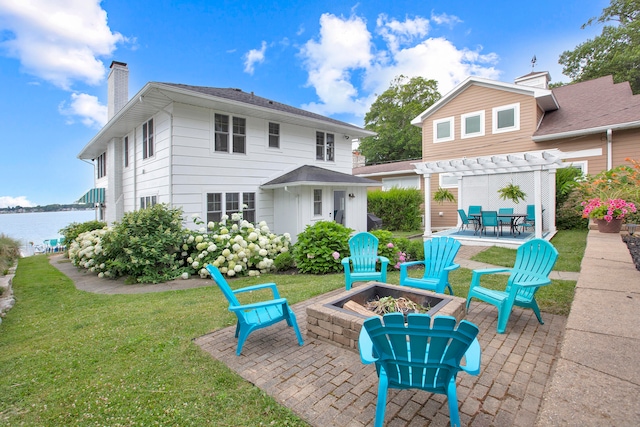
{"type": "Point", "coordinates": [537, 185]}
{"type": "Point", "coordinates": [427, 205]}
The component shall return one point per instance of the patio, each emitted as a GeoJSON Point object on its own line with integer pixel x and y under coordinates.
{"type": "Point", "coordinates": [327, 385]}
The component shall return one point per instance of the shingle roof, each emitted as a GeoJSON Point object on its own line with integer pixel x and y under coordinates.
{"type": "Point", "coordinates": [591, 104]}
{"type": "Point", "coordinates": [387, 168]}
{"type": "Point", "coordinates": [315, 174]}
{"type": "Point", "coordinates": [249, 98]}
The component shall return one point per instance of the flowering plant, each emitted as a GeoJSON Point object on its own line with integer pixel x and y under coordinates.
{"type": "Point", "coordinates": [609, 210]}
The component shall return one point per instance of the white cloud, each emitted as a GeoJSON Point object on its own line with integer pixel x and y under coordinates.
{"type": "Point", "coordinates": [254, 56]}
{"type": "Point", "coordinates": [87, 108]}
{"type": "Point", "coordinates": [59, 41]}
{"type": "Point", "coordinates": [348, 70]}
{"type": "Point", "coordinates": [10, 202]}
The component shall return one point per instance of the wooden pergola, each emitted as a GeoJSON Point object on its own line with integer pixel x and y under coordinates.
{"type": "Point", "coordinates": [541, 165]}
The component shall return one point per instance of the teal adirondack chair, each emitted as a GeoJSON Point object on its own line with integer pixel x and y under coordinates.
{"type": "Point", "coordinates": [419, 355]}
{"type": "Point", "coordinates": [361, 265]}
{"type": "Point", "coordinates": [534, 261]}
{"type": "Point", "coordinates": [439, 253]}
{"type": "Point", "coordinates": [258, 315]}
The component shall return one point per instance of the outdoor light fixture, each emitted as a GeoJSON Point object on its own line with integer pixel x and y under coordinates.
{"type": "Point", "coordinates": [351, 195]}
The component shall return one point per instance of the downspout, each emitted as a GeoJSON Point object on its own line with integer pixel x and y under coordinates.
{"type": "Point", "coordinates": [609, 149]}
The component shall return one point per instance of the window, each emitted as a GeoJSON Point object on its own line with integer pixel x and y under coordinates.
{"type": "Point", "coordinates": [317, 202]}
{"type": "Point", "coordinates": [216, 208]}
{"type": "Point", "coordinates": [126, 151]}
{"type": "Point", "coordinates": [221, 134]}
{"type": "Point", "coordinates": [221, 129]}
{"type": "Point", "coordinates": [148, 201]}
{"type": "Point", "coordinates": [472, 124]}
{"type": "Point", "coordinates": [401, 182]}
{"type": "Point", "coordinates": [443, 129]}
{"type": "Point", "coordinates": [325, 146]}
{"type": "Point", "coordinates": [147, 139]}
{"type": "Point", "coordinates": [506, 118]}
{"type": "Point", "coordinates": [274, 135]}
{"type": "Point", "coordinates": [448, 180]}
{"type": "Point", "coordinates": [102, 165]}
{"type": "Point", "coordinates": [239, 135]}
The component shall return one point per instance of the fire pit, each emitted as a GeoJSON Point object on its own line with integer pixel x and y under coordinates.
{"type": "Point", "coordinates": [329, 320]}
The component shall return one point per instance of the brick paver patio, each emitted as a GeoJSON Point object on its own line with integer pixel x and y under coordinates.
{"type": "Point", "coordinates": [328, 386]}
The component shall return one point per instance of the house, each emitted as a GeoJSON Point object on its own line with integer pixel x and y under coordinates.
{"type": "Point", "coordinates": [217, 151]}
{"type": "Point", "coordinates": [485, 134]}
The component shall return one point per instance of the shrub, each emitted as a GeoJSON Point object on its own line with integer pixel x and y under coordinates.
{"type": "Point", "coordinates": [569, 213]}
{"type": "Point", "coordinates": [399, 208]}
{"type": "Point", "coordinates": [317, 246]}
{"type": "Point", "coordinates": [73, 230]}
{"type": "Point", "coordinates": [9, 253]}
{"type": "Point", "coordinates": [284, 262]}
{"type": "Point", "coordinates": [236, 247]}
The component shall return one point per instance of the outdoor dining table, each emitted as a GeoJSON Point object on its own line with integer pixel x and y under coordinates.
{"type": "Point", "coordinates": [515, 219]}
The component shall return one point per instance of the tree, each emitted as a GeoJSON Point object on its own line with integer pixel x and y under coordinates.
{"type": "Point", "coordinates": [390, 117]}
{"type": "Point", "coordinates": [616, 51]}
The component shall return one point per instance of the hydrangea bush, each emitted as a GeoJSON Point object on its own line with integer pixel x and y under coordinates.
{"type": "Point", "coordinates": [151, 246]}
{"type": "Point", "coordinates": [234, 245]}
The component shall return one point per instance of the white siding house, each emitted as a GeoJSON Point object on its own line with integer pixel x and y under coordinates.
{"type": "Point", "coordinates": [213, 150]}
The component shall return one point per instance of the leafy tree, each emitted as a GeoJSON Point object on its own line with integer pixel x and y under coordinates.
{"type": "Point", "coordinates": [616, 51]}
{"type": "Point", "coordinates": [390, 117]}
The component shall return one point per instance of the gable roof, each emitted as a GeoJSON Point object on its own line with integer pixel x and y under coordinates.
{"type": "Point", "coordinates": [155, 96]}
{"type": "Point", "coordinates": [544, 97]}
{"type": "Point", "coordinates": [590, 107]}
{"type": "Point", "coordinates": [314, 175]}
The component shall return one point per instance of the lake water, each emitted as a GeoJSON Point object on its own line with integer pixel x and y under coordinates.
{"type": "Point", "coordinates": [37, 227]}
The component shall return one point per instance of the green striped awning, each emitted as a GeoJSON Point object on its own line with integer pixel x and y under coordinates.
{"type": "Point", "coordinates": [95, 195]}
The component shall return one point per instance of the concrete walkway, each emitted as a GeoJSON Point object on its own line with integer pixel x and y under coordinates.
{"type": "Point", "coordinates": [581, 370]}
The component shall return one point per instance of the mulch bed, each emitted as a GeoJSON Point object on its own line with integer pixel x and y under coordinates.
{"type": "Point", "coordinates": [633, 243]}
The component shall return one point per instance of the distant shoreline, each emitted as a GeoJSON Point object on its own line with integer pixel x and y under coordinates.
{"type": "Point", "coordinates": [48, 208]}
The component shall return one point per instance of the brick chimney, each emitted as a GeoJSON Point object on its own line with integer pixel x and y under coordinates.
{"type": "Point", "coordinates": [118, 88]}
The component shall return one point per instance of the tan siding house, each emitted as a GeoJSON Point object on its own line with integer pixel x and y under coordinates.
{"type": "Point", "coordinates": [517, 130]}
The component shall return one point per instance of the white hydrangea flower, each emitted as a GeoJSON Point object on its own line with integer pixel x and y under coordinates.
{"type": "Point", "coordinates": [185, 276]}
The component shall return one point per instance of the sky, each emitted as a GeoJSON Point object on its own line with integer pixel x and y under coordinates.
{"type": "Point", "coordinates": [330, 57]}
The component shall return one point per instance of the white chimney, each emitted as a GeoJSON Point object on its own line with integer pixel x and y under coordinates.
{"type": "Point", "coordinates": [118, 88]}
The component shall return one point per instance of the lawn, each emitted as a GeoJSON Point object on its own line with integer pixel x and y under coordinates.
{"type": "Point", "coordinates": [74, 358]}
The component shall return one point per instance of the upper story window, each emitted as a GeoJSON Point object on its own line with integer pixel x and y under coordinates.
{"type": "Point", "coordinates": [325, 146]}
{"type": "Point", "coordinates": [443, 129]}
{"type": "Point", "coordinates": [472, 124]}
{"type": "Point", "coordinates": [147, 139]}
{"type": "Point", "coordinates": [221, 131]}
{"type": "Point", "coordinates": [274, 135]}
{"type": "Point", "coordinates": [125, 151]}
{"type": "Point", "coordinates": [506, 118]}
{"type": "Point", "coordinates": [102, 165]}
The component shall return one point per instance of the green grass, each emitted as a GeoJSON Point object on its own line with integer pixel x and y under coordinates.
{"type": "Point", "coordinates": [9, 253]}
{"type": "Point", "coordinates": [74, 358]}
{"type": "Point", "coordinates": [569, 243]}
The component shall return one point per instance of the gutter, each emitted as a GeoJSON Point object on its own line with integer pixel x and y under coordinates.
{"type": "Point", "coordinates": [582, 132]}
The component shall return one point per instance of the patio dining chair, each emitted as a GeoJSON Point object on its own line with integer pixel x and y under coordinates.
{"type": "Point", "coordinates": [489, 219]}
{"type": "Point", "coordinates": [534, 261]}
{"type": "Point", "coordinates": [504, 220]}
{"type": "Point", "coordinates": [362, 264]}
{"type": "Point", "coordinates": [465, 220]}
{"type": "Point", "coordinates": [257, 315]}
{"type": "Point", "coordinates": [419, 355]}
{"type": "Point", "coordinates": [530, 220]}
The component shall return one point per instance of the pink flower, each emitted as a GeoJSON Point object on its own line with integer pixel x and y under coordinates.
{"type": "Point", "coordinates": [389, 245]}
{"type": "Point", "coordinates": [335, 255]}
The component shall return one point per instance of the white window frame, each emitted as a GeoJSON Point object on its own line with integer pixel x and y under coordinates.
{"type": "Point", "coordinates": [445, 183]}
{"type": "Point", "coordinates": [451, 137]}
{"type": "Point", "coordinates": [273, 134]}
{"type": "Point", "coordinates": [463, 124]}
{"type": "Point", "coordinates": [148, 132]}
{"type": "Point", "coordinates": [317, 202]}
{"type": "Point", "coordinates": [516, 118]}
{"type": "Point", "coordinates": [582, 165]}
{"type": "Point", "coordinates": [125, 150]}
{"type": "Point", "coordinates": [325, 146]}
{"type": "Point", "coordinates": [148, 201]}
{"type": "Point", "coordinates": [101, 167]}
{"type": "Point", "coordinates": [231, 202]}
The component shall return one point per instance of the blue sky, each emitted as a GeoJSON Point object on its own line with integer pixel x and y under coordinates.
{"type": "Point", "coordinates": [329, 57]}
